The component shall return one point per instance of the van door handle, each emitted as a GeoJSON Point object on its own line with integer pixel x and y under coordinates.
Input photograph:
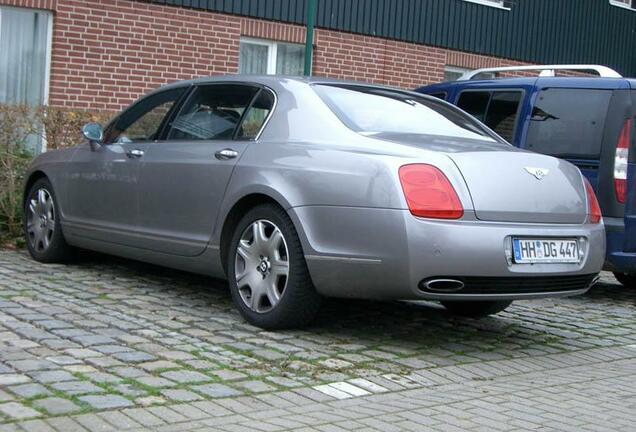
{"type": "Point", "coordinates": [134, 153]}
{"type": "Point", "coordinates": [226, 154]}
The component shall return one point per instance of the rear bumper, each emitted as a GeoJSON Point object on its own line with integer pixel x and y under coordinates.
{"type": "Point", "coordinates": [386, 253]}
{"type": "Point", "coordinates": [617, 259]}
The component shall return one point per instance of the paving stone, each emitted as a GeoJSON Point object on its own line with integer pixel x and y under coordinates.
{"type": "Point", "coordinates": [158, 382]}
{"type": "Point", "coordinates": [133, 356]}
{"type": "Point", "coordinates": [180, 395]}
{"type": "Point", "coordinates": [159, 365]}
{"type": "Point", "coordinates": [31, 365]}
{"type": "Point", "coordinates": [52, 376]}
{"type": "Point", "coordinates": [8, 379]}
{"type": "Point", "coordinates": [254, 386]}
{"type": "Point", "coordinates": [109, 401]}
{"type": "Point", "coordinates": [76, 387]}
{"type": "Point", "coordinates": [29, 390]}
{"type": "Point", "coordinates": [216, 390]}
{"type": "Point", "coordinates": [17, 411]}
{"type": "Point", "coordinates": [56, 405]}
{"type": "Point", "coordinates": [185, 376]}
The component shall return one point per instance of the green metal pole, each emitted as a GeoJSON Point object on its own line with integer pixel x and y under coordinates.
{"type": "Point", "coordinates": [309, 36]}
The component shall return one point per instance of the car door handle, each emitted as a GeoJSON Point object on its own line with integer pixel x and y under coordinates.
{"type": "Point", "coordinates": [135, 153]}
{"type": "Point", "coordinates": [226, 154]}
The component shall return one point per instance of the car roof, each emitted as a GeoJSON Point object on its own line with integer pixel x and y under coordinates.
{"type": "Point", "coordinates": [566, 82]}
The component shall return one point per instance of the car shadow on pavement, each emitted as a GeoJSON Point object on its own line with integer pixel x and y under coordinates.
{"type": "Point", "coordinates": [527, 324]}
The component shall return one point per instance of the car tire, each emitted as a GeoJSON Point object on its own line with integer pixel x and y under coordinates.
{"type": "Point", "coordinates": [268, 276]}
{"type": "Point", "coordinates": [41, 223]}
{"type": "Point", "coordinates": [475, 309]}
{"type": "Point", "coordinates": [627, 280]}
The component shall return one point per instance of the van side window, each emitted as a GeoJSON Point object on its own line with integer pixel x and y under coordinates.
{"type": "Point", "coordinates": [474, 103]}
{"type": "Point", "coordinates": [502, 113]}
{"type": "Point", "coordinates": [568, 123]}
{"type": "Point", "coordinates": [498, 109]}
{"type": "Point", "coordinates": [440, 95]}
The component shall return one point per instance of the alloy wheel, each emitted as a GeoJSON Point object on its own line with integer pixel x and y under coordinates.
{"type": "Point", "coordinates": [41, 220]}
{"type": "Point", "coordinates": [261, 266]}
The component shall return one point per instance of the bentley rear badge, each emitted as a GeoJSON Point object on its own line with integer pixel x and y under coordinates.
{"type": "Point", "coordinates": [539, 173]}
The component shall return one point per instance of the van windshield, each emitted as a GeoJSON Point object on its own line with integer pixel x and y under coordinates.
{"type": "Point", "coordinates": [569, 123]}
{"type": "Point", "coordinates": [371, 110]}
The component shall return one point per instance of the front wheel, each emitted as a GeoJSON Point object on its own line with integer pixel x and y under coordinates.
{"type": "Point", "coordinates": [42, 228]}
{"type": "Point", "coordinates": [475, 309]}
{"type": "Point", "coordinates": [267, 272]}
{"type": "Point", "coordinates": [628, 280]}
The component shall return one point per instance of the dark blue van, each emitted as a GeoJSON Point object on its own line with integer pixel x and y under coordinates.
{"type": "Point", "coordinates": [586, 120]}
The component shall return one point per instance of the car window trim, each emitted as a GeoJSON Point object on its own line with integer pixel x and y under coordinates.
{"type": "Point", "coordinates": [491, 91]}
{"type": "Point", "coordinates": [196, 87]}
{"type": "Point", "coordinates": [269, 115]}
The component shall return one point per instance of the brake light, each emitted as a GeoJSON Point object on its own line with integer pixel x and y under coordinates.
{"type": "Point", "coordinates": [593, 209]}
{"type": "Point", "coordinates": [428, 192]}
{"type": "Point", "coordinates": [621, 161]}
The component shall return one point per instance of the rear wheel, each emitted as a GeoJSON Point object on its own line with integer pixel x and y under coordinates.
{"type": "Point", "coordinates": [42, 227]}
{"type": "Point", "coordinates": [628, 280]}
{"type": "Point", "coordinates": [475, 309]}
{"type": "Point", "coordinates": [267, 272]}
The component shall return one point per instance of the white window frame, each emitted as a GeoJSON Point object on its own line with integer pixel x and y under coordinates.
{"type": "Point", "coordinates": [49, 49]}
{"type": "Point", "coordinates": [499, 4]}
{"type": "Point", "coordinates": [622, 5]}
{"type": "Point", "coordinates": [272, 52]}
{"type": "Point", "coordinates": [456, 69]}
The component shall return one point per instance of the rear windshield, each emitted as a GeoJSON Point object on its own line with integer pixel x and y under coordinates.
{"type": "Point", "coordinates": [371, 110]}
{"type": "Point", "coordinates": [569, 123]}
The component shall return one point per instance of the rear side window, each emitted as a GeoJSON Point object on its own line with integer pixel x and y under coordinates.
{"type": "Point", "coordinates": [569, 123]}
{"type": "Point", "coordinates": [256, 115]}
{"type": "Point", "coordinates": [498, 109]}
{"type": "Point", "coordinates": [213, 112]}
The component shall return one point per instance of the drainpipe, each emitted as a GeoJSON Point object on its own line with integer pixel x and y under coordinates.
{"type": "Point", "coordinates": [309, 36]}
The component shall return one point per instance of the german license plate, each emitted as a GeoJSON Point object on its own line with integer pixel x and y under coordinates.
{"type": "Point", "coordinates": [528, 251]}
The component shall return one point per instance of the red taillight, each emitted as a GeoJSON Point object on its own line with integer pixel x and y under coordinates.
{"type": "Point", "coordinates": [593, 209]}
{"type": "Point", "coordinates": [428, 192]}
{"type": "Point", "coordinates": [620, 162]}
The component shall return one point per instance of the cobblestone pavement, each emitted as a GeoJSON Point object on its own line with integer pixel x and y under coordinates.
{"type": "Point", "coordinates": [109, 344]}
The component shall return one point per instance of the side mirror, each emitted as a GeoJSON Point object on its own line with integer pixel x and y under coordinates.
{"type": "Point", "coordinates": [94, 134]}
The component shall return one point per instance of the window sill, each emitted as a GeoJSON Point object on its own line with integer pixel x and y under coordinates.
{"type": "Point", "coordinates": [622, 6]}
{"type": "Point", "coordinates": [489, 4]}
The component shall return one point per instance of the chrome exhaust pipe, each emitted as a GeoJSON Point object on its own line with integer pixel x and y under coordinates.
{"type": "Point", "coordinates": [443, 285]}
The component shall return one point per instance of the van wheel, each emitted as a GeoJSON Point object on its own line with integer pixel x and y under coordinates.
{"type": "Point", "coordinates": [628, 280]}
{"type": "Point", "coordinates": [267, 272]}
{"type": "Point", "coordinates": [475, 309]}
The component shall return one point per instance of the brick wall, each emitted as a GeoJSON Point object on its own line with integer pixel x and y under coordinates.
{"type": "Point", "coordinates": [108, 52]}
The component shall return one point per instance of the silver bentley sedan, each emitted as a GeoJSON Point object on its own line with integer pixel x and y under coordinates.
{"type": "Point", "coordinates": [297, 189]}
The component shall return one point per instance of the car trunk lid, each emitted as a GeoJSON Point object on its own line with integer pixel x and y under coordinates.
{"type": "Point", "coordinates": [517, 186]}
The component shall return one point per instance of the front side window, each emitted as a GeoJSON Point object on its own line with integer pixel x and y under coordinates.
{"type": "Point", "coordinates": [143, 121]}
{"type": "Point", "coordinates": [261, 57]}
{"type": "Point", "coordinates": [371, 110]}
{"type": "Point", "coordinates": [213, 112]}
{"type": "Point", "coordinates": [569, 123]}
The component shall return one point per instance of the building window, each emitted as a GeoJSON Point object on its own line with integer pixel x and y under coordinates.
{"type": "Point", "coordinates": [502, 4]}
{"type": "Point", "coordinates": [629, 4]}
{"type": "Point", "coordinates": [25, 38]}
{"type": "Point", "coordinates": [453, 73]}
{"type": "Point", "coordinates": [258, 56]}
